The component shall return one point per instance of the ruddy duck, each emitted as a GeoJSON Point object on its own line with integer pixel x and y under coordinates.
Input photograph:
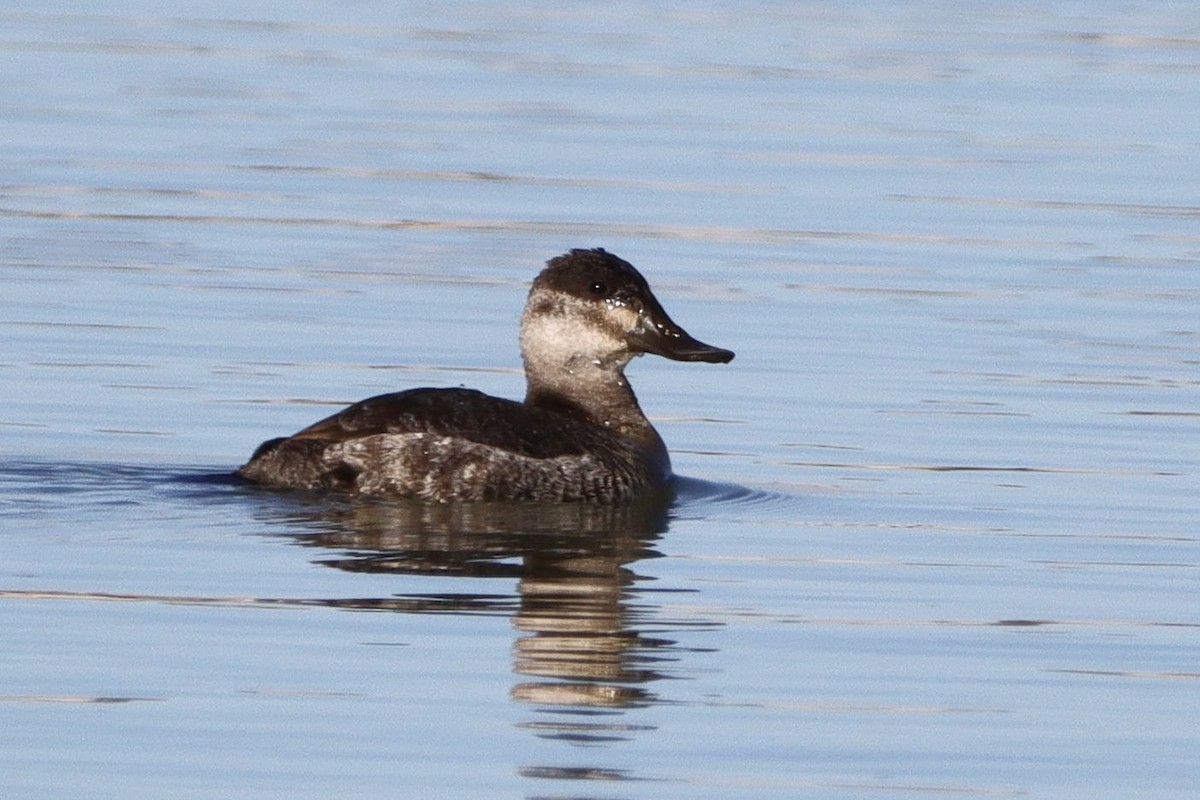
{"type": "Point", "coordinates": [578, 436]}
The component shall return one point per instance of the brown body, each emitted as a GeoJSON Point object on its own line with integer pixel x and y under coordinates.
{"type": "Point", "coordinates": [579, 435]}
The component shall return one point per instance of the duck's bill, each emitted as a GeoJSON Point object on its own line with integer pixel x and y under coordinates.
{"type": "Point", "coordinates": [695, 350]}
{"type": "Point", "coordinates": [659, 335]}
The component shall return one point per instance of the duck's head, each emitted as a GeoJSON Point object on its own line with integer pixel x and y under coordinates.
{"type": "Point", "coordinates": [589, 307]}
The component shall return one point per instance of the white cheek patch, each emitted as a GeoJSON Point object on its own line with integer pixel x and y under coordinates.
{"type": "Point", "coordinates": [570, 329]}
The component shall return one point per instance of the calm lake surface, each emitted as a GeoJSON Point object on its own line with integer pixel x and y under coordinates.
{"type": "Point", "coordinates": [939, 530]}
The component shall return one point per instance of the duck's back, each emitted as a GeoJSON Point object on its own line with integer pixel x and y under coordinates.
{"type": "Point", "coordinates": [460, 444]}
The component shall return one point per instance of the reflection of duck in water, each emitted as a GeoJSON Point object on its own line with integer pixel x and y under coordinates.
{"type": "Point", "coordinates": [578, 436]}
{"type": "Point", "coordinates": [582, 641]}
{"type": "Point", "coordinates": [469, 540]}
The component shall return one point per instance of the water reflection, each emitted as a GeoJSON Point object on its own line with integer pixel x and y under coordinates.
{"type": "Point", "coordinates": [582, 641]}
{"type": "Point", "coordinates": [592, 641]}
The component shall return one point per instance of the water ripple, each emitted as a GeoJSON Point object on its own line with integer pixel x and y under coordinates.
{"type": "Point", "coordinates": [698, 498]}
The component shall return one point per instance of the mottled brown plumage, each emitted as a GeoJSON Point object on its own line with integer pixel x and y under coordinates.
{"type": "Point", "coordinates": [578, 436]}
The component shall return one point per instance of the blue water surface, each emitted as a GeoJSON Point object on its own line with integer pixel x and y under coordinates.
{"type": "Point", "coordinates": [936, 530]}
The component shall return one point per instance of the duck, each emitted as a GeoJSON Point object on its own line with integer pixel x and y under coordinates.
{"type": "Point", "coordinates": [579, 435]}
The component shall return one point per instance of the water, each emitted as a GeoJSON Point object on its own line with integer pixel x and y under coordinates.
{"type": "Point", "coordinates": [937, 535]}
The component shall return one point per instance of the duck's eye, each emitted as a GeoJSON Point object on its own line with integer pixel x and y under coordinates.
{"type": "Point", "coordinates": [597, 288]}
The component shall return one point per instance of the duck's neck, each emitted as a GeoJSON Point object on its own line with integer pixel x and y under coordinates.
{"type": "Point", "coordinates": [594, 391]}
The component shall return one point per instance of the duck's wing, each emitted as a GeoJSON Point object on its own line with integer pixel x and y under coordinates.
{"type": "Point", "coordinates": [457, 444]}
{"type": "Point", "coordinates": [464, 414]}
